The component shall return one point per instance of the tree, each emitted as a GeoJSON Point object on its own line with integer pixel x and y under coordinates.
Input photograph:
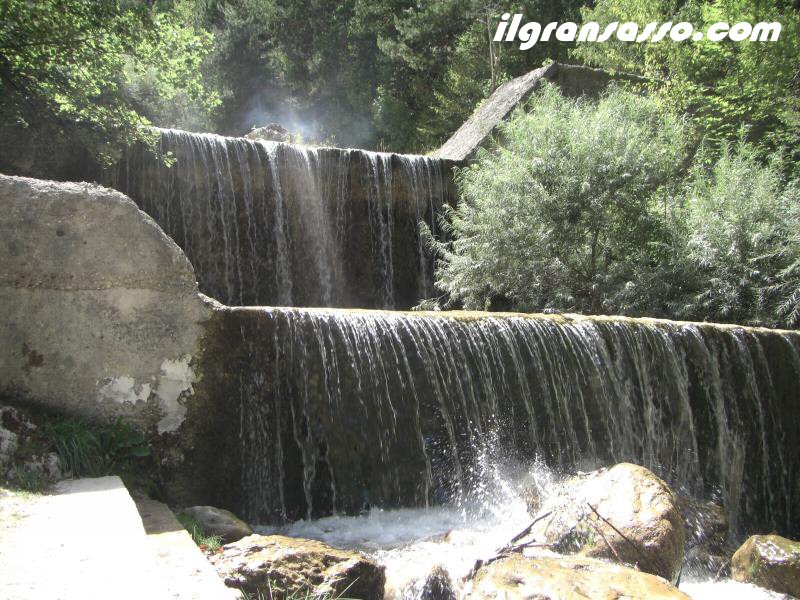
{"type": "Point", "coordinates": [564, 211]}
{"type": "Point", "coordinates": [64, 62]}
{"type": "Point", "coordinates": [724, 85]}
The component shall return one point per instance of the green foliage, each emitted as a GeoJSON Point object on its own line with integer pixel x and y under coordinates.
{"type": "Point", "coordinates": [69, 62]}
{"type": "Point", "coordinates": [85, 449]}
{"type": "Point", "coordinates": [724, 85]}
{"type": "Point", "coordinates": [210, 543]}
{"type": "Point", "coordinates": [741, 244]}
{"type": "Point", "coordinates": [561, 214]}
{"type": "Point", "coordinates": [587, 208]}
{"type": "Point", "coordinates": [77, 445]}
{"type": "Point", "coordinates": [30, 480]}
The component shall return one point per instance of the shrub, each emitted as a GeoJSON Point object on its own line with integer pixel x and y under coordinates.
{"type": "Point", "coordinates": [741, 256]}
{"type": "Point", "coordinates": [563, 214]}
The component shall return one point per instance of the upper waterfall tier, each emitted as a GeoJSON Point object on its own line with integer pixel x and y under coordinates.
{"type": "Point", "coordinates": [338, 410]}
{"type": "Point", "coordinates": [275, 224]}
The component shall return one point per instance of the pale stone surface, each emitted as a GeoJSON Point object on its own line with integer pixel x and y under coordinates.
{"type": "Point", "coordinates": [770, 561]}
{"type": "Point", "coordinates": [101, 316]}
{"type": "Point", "coordinates": [84, 541]}
{"type": "Point", "coordinates": [638, 523]}
{"type": "Point", "coordinates": [566, 578]}
{"type": "Point", "coordinates": [293, 565]}
{"type": "Point", "coordinates": [218, 521]}
{"type": "Point", "coordinates": [186, 572]}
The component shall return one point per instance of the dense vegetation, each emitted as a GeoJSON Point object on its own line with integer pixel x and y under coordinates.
{"type": "Point", "coordinates": [601, 208]}
{"type": "Point", "coordinates": [679, 204]}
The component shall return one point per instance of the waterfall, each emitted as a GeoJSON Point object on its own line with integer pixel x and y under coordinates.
{"type": "Point", "coordinates": [342, 410]}
{"type": "Point", "coordinates": [275, 224]}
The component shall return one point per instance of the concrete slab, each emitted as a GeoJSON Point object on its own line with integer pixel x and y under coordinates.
{"type": "Point", "coordinates": [84, 541]}
{"type": "Point", "coordinates": [185, 570]}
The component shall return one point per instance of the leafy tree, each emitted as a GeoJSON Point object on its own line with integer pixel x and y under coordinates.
{"type": "Point", "coordinates": [562, 214]}
{"type": "Point", "coordinates": [64, 62]}
{"type": "Point", "coordinates": [724, 85]}
{"type": "Point", "coordinates": [443, 62]}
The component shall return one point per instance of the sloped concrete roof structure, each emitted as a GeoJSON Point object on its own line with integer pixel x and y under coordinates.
{"type": "Point", "coordinates": [574, 80]}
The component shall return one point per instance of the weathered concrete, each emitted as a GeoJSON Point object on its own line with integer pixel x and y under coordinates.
{"type": "Point", "coordinates": [100, 313]}
{"type": "Point", "coordinates": [572, 80]}
{"type": "Point", "coordinates": [185, 571]}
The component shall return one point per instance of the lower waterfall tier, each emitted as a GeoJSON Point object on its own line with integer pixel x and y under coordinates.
{"type": "Point", "coordinates": [339, 411]}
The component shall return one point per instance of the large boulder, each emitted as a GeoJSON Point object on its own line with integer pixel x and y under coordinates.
{"type": "Point", "coordinates": [624, 513]}
{"type": "Point", "coordinates": [218, 521]}
{"type": "Point", "coordinates": [292, 566]}
{"type": "Point", "coordinates": [101, 316]}
{"type": "Point", "coordinates": [770, 561]}
{"type": "Point", "coordinates": [518, 577]}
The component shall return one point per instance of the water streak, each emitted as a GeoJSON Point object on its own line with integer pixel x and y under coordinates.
{"type": "Point", "coordinates": [275, 224]}
{"type": "Point", "coordinates": [392, 409]}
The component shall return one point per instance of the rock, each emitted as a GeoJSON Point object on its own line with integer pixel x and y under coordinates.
{"type": "Point", "coordinates": [533, 498]}
{"type": "Point", "coordinates": [218, 521]}
{"type": "Point", "coordinates": [437, 585]}
{"type": "Point", "coordinates": [101, 316]}
{"type": "Point", "coordinates": [637, 520]}
{"type": "Point", "coordinates": [24, 449]}
{"type": "Point", "coordinates": [271, 133]}
{"type": "Point", "coordinates": [770, 561]}
{"type": "Point", "coordinates": [295, 566]}
{"type": "Point", "coordinates": [563, 578]}
{"type": "Point", "coordinates": [706, 523]}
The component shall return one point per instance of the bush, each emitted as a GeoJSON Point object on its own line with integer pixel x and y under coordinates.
{"type": "Point", "coordinates": [566, 212]}
{"type": "Point", "coordinates": [741, 253]}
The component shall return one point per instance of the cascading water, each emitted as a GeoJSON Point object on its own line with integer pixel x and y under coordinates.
{"type": "Point", "coordinates": [425, 423]}
{"type": "Point", "coordinates": [275, 224]}
{"type": "Point", "coordinates": [352, 409]}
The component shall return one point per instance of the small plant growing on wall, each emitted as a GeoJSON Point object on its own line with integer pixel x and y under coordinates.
{"type": "Point", "coordinates": [85, 449]}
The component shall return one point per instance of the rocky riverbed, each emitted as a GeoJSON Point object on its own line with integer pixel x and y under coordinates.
{"type": "Point", "coordinates": [615, 532]}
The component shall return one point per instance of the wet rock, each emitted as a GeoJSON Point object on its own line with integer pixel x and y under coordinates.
{"type": "Point", "coordinates": [706, 523]}
{"type": "Point", "coordinates": [564, 578]}
{"type": "Point", "coordinates": [218, 521]}
{"type": "Point", "coordinates": [769, 561]}
{"type": "Point", "coordinates": [699, 562]}
{"type": "Point", "coordinates": [437, 585]}
{"type": "Point", "coordinates": [624, 514]}
{"type": "Point", "coordinates": [273, 132]}
{"type": "Point", "coordinates": [290, 566]}
{"type": "Point", "coordinates": [532, 497]}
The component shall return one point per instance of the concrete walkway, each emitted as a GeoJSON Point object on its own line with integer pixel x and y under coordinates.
{"type": "Point", "coordinates": [186, 572]}
{"type": "Point", "coordinates": [86, 541]}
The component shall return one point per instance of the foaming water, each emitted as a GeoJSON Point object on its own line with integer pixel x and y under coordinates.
{"type": "Point", "coordinates": [410, 542]}
{"type": "Point", "coordinates": [414, 542]}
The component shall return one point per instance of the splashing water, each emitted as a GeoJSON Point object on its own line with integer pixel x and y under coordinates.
{"type": "Point", "coordinates": [411, 543]}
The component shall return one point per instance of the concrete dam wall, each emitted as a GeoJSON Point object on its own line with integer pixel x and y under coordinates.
{"type": "Point", "coordinates": [293, 413]}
